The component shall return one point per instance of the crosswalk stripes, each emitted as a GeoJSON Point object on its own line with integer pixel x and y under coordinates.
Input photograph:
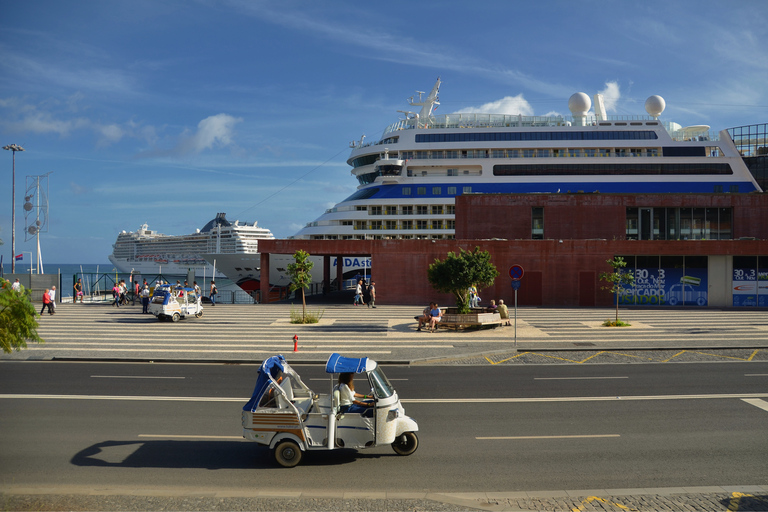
{"type": "Point", "coordinates": [249, 332]}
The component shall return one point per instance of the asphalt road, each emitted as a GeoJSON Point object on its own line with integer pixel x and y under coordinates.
{"type": "Point", "coordinates": [492, 429]}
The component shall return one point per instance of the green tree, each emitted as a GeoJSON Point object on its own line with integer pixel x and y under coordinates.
{"type": "Point", "coordinates": [618, 280]}
{"type": "Point", "coordinates": [456, 273]}
{"type": "Point", "coordinates": [300, 277]}
{"type": "Point", "coordinates": [17, 318]}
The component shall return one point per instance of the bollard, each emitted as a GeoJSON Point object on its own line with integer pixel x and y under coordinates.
{"type": "Point", "coordinates": [295, 343]}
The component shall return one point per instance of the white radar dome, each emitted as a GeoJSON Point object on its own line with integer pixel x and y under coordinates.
{"type": "Point", "coordinates": [655, 105]}
{"type": "Point", "coordinates": [579, 104]}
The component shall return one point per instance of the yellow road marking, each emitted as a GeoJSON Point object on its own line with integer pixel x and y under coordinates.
{"type": "Point", "coordinates": [601, 500]}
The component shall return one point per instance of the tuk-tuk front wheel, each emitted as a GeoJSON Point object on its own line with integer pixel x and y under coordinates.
{"type": "Point", "coordinates": [175, 317]}
{"type": "Point", "coordinates": [406, 443]}
{"type": "Point", "coordinates": [287, 454]}
{"type": "Point", "coordinates": [198, 314]}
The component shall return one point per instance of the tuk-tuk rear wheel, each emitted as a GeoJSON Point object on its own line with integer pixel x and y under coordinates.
{"type": "Point", "coordinates": [287, 454]}
{"type": "Point", "coordinates": [406, 443]}
{"type": "Point", "coordinates": [175, 317]}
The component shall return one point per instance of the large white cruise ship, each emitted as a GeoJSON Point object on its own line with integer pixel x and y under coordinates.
{"type": "Point", "coordinates": [408, 179]}
{"type": "Point", "coordinates": [149, 252]}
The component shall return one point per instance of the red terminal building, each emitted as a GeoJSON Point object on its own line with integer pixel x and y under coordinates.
{"type": "Point", "coordinates": [684, 249]}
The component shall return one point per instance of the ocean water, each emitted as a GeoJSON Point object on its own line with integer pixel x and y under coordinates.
{"type": "Point", "coordinates": [91, 273]}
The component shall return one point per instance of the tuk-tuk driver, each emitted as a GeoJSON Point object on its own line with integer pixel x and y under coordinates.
{"type": "Point", "coordinates": [347, 396]}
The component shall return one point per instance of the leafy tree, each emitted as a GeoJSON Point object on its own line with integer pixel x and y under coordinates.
{"type": "Point", "coordinates": [456, 273]}
{"type": "Point", "coordinates": [300, 277]}
{"type": "Point", "coordinates": [618, 280]}
{"type": "Point", "coordinates": [17, 318]}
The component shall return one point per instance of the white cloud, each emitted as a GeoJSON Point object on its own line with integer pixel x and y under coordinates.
{"type": "Point", "coordinates": [212, 131]}
{"type": "Point", "coordinates": [511, 105]}
{"type": "Point", "coordinates": [611, 95]}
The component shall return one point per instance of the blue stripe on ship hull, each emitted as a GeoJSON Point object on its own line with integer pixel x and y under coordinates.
{"type": "Point", "coordinates": [625, 187]}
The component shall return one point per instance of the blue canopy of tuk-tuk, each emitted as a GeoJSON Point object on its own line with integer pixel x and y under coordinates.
{"type": "Point", "coordinates": [271, 366]}
{"type": "Point", "coordinates": [340, 364]}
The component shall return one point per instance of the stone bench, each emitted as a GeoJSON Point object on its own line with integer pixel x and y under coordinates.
{"type": "Point", "coordinates": [457, 321]}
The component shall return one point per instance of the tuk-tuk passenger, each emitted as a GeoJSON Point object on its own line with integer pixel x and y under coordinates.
{"type": "Point", "coordinates": [347, 395]}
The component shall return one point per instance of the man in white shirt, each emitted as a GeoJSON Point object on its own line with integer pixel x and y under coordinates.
{"type": "Point", "coordinates": [52, 295]}
{"type": "Point", "coordinates": [16, 286]}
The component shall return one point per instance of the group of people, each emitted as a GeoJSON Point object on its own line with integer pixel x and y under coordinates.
{"type": "Point", "coordinates": [360, 292]}
{"type": "Point", "coordinates": [49, 300]}
{"type": "Point", "coordinates": [430, 317]}
{"type": "Point", "coordinates": [432, 314]}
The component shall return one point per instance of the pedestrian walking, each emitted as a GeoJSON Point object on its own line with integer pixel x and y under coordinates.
{"type": "Point", "coordinates": [46, 302]}
{"type": "Point", "coordinates": [145, 299]}
{"type": "Point", "coordinates": [372, 295]}
{"type": "Point", "coordinates": [78, 286]}
{"type": "Point", "coordinates": [52, 295]}
{"type": "Point", "coordinates": [213, 294]}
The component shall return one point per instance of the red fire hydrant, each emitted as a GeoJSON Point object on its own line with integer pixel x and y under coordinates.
{"type": "Point", "coordinates": [295, 342]}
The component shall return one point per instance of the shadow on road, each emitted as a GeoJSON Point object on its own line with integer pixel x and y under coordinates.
{"type": "Point", "coordinates": [201, 455]}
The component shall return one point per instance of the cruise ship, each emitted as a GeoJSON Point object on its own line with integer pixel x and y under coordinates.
{"type": "Point", "coordinates": [409, 177]}
{"type": "Point", "coordinates": [149, 252]}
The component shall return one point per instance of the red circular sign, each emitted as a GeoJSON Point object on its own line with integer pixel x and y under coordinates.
{"type": "Point", "coordinates": [516, 272]}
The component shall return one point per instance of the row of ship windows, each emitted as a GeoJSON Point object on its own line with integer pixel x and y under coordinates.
{"type": "Point", "coordinates": [435, 209]}
{"type": "Point", "coordinates": [388, 236]}
{"type": "Point", "coordinates": [713, 151]}
{"type": "Point", "coordinates": [376, 225]}
{"type": "Point", "coordinates": [530, 136]}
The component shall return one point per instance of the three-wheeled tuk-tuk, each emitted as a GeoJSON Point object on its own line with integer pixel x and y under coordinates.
{"type": "Point", "coordinates": [169, 303]}
{"type": "Point", "coordinates": [290, 418]}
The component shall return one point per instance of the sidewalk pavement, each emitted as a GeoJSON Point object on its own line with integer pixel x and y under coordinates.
{"type": "Point", "coordinates": [250, 333]}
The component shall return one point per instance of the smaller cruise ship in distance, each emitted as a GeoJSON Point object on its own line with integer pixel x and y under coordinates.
{"type": "Point", "coordinates": [409, 177]}
{"type": "Point", "coordinates": [149, 252]}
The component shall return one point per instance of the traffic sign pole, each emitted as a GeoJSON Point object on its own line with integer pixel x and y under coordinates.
{"type": "Point", "coordinates": [516, 273]}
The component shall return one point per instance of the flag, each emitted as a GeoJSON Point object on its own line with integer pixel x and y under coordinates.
{"type": "Point", "coordinates": [20, 257]}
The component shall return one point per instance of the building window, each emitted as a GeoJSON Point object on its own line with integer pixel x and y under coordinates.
{"type": "Point", "coordinates": [436, 191]}
{"type": "Point", "coordinates": [437, 224]}
{"type": "Point", "coordinates": [391, 224]}
{"type": "Point", "coordinates": [376, 224]}
{"type": "Point", "coordinates": [360, 224]}
{"type": "Point", "coordinates": [537, 223]}
{"type": "Point", "coordinates": [407, 224]}
{"type": "Point", "coordinates": [450, 224]}
{"type": "Point", "coordinates": [421, 210]}
{"type": "Point", "coordinates": [421, 191]}
{"type": "Point", "coordinates": [421, 224]}
{"type": "Point", "coordinates": [407, 190]}
{"type": "Point", "coordinates": [453, 172]}
{"type": "Point", "coordinates": [451, 191]}
{"type": "Point", "coordinates": [466, 190]}
{"type": "Point", "coordinates": [407, 210]}
{"type": "Point", "coordinates": [375, 210]}
{"type": "Point", "coordinates": [391, 210]}
{"type": "Point", "coordinates": [437, 209]}
{"type": "Point", "coordinates": [450, 209]}
{"type": "Point", "coordinates": [361, 208]}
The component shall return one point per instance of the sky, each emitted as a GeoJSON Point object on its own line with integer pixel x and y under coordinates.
{"type": "Point", "coordinates": [167, 112]}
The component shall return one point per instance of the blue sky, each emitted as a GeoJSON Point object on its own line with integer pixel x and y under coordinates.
{"type": "Point", "coordinates": [168, 112]}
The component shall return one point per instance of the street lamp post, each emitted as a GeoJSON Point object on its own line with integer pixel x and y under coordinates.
{"type": "Point", "coordinates": [14, 148]}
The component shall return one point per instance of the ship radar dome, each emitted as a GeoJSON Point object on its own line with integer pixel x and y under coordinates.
{"type": "Point", "coordinates": [655, 105]}
{"type": "Point", "coordinates": [579, 104]}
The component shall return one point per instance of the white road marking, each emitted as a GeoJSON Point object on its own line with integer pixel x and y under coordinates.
{"type": "Point", "coordinates": [741, 396]}
{"type": "Point", "coordinates": [756, 374]}
{"type": "Point", "coordinates": [185, 436]}
{"type": "Point", "coordinates": [577, 378]}
{"type": "Point", "coordinates": [133, 377]}
{"type": "Point", "coordinates": [587, 436]}
{"type": "Point", "coordinates": [762, 404]}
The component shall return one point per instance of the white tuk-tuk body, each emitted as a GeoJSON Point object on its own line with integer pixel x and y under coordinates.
{"type": "Point", "coordinates": [169, 303]}
{"type": "Point", "coordinates": [290, 418]}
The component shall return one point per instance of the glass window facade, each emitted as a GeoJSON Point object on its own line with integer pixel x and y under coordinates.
{"type": "Point", "coordinates": [654, 223]}
{"type": "Point", "coordinates": [537, 136]}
